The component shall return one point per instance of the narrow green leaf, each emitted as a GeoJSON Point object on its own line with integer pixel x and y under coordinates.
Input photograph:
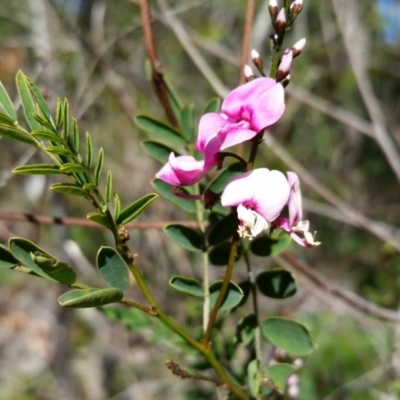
{"type": "Point", "coordinates": [99, 167]}
{"type": "Point", "coordinates": [59, 113]}
{"type": "Point", "coordinates": [174, 101]}
{"type": "Point", "coordinates": [112, 268]}
{"type": "Point", "coordinates": [135, 209]}
{"type": "Point", "coordinates": [27, 103]}
{"type": "Point", "coordinates": [46, 135]}
{"type": "Point", "coordinates": [7, 104]}
{"type": "Point", "coordinates": [89, 186]}
{"type": "Point", "coordinates": [39, 99]}
{"type": "Point", "coordinates": [37, 169]}
{"type": "Point", "coordinates": [75, 136]}
{"type": "Point", "coordinates": [213, 106]}
{"type": "Point", "coordinates": [218, 183]}
{"type": "Point", "coordinates": [166, 191]}
{"type": "Point", "coordinates": [23, 250]}
{"type": "Point", "coordinates": [69, 188]}
{"type": "Point", "coordinates": [288, 335]}
{"type": "Point", "coordinates": [186, 285]}
{"type": "Point", "coordinates": [219, 254]}
{"type": "Point", "coordinates": [13, 133]}
{"type": "Point", "coordinates": [277, 283]}
{"type": "Point", "coordinates": [5, 119]}
{"type": "Point", "coordinates": [186, 237]}
{"type": "Point", "coordinates": [160, 130]}
{"type": "Point", "coordinates": [188, 123]}
{"type": "Point", "coordinates": [279, 374]}
{"type": "Point", "coordinates": [109, 187]}
{"type": "Point", "coordinates": [42, 121]}
{"type": "Point", "coordinates": [245, 329]}
{"type": "Point", "coordinates": [85, 298]}
{"type": "Point", "coordinates": [61, 151]}
{"type": "Point", "coordinates": [223, 229]}
{"type": "Point", "coordinates": [117, 207]}
{"type": "Point", "coordinates": [264, 246]}
{"type": "Point", "coordinates": [69, 168]}
{"type": "Point", "coordinates": [66, 120]}
{"type": "Point", "coordinates": [99, 218]}
{"type": "Point", "coordinates": [158, 151]}
{"type": "Point", "coordinates": [233, 295]}
{"type": "Point", "coordinates": [7, 260]}
{"type": "Point", "coordinates": [89, 150]}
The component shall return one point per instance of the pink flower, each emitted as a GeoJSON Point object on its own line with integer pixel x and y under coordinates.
{"type": "Point", "coordinates": [260, 196]}
{"type": "Point", "coordinates": [294, 224]}
{"type": "Point", "coordinates": [182, 170]}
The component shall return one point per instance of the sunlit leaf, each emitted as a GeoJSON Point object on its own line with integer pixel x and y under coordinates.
{"type": "Point", "coordinates": [46, 135]}
{"type": "Point", "coordinates": [89, 150]}
{"type": "Point", "coordinates": [186, 285]}
{"type": "Point", "coordinates": [109, 187]}
{"type": "Point", "coordinates": [59, 112]}
{"type": "Point", "coordinates": [112, 268]}
{"type": "Point", "coordinates": [99, 218]}
{"type": "Point", "coordinates": [135, 209]}
{"type": "Point", "coordinates": [85, 298]}
{"type": "Point", "coordinates": [69, 168]}
{"type": "Point", "coordinates": [61, 151]}
{"type": "Point", "coordinates": [66, 119]}
{"type": "Point", "coordinates": [233, 296]}
{"type": "Point", "coordinates": [10, 132]}
{"type": "Point", "coordinates": [37, 169]}
{"type": "Point", "coordinates": [75, 136]}
{"type": "Point", "coordinates": [69, 188]}
{"type": "Point", "coordinates": [99, 167]}
{"type": "Point", "coordinates": [39, 99]}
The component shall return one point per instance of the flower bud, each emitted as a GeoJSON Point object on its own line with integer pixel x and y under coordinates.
{"type": "Point", "coordinates": [285, 81]}
{"type": "Point", "coordinates": [284, 65]}
{"type": "Point", "coordinates": [257, 61]}
{"type": "Point", "coordinates": [248, 73]}
{"type": "Point", "coordinates": [280, 22]}
{"type": "Point", "coordinates": [295, 8]}
{"type": "Point", "coordinates": [273, 9]}
{"type": "Point", "coordinates": [298, 47]}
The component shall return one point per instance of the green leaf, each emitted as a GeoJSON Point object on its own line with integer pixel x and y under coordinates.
{"type": "Point", "coordinates": [7, 260]}
{"type": "Point", "coordinates": [217, 185]}
{"type": "Point", "coordinates": [85, 298]}
{"type": "Point", "coordinates": [223, 229]}
{"type": "Point", "coordinates": [213, 106]}
{"type": "Point", "coordinates": [186, 237]}
{"type": "Point", "coordinates": [279, 374]}
{"type": "Point", "coordinates": [245, 329]}
{"type": "Point", "coordinates": [188, 123]}
{"type": "Point", "coordinates": [288, 335]}
{"type": "Point", "coordinates": [277, 283]}
{"type": "Point", "coordinates": [59, 271]}
{"type": "Point", "coordinates": [89, 186]}
{"type": "Point", "coordinates": [158, 151]}
{"type": "Point", "coordinates": [59, 112]}
{"type": "Point", "coordinates": [219, 254]}
{"type": "Point", "coordinates": [27, 103]}
{"type": "Point", "coordinates": [264, 246]}
{"type": "Point", "coordinates": [46, 135]}
{"type": "Point", "coordinates": [42, 121]}
{"type": "Point", "coordinates": [69, 168]}
{"type": "Point", "coordinates": [174, 101]}
{"type": "Point", "coordinates": [135, 209]}
{"type": "Point", "coordinates": [99, 218]}
{"type": "Point", "coordinates": [99, 167]}
{"type": "Point", "coordinates": [75, 135]}
{"type": "Point", "coordinates": [117, 207]}
{"type": "Point", "coordinates": [112, 268]}
{"type": "Point", "coordinates": [233, 296]}
{"type": "Point", "coordinates": [37, 169]}
{"type": "Point", "coordinates": [254, 378]}
{"type": "Point", "coordinates": [160, 130]}
{"type": "Point", "coordinates": [188, 286]}
{"type": "Point", "coordinates": [89, 150]}
{"type": "Point", "coordinates": [69, 188]}
{"type": "Point", "coordinates": [23, 250]}
{"type": "Point", "coordinates": [6, 103]}
{"type": "Point", "coordinates": [61, 151]}
{"type": "Point", "coordinates": [39, 99]}
{"type": "Point", "coordinates": [5, 119]}
{"type": "Point", "coordinates": [109, 187]}
{"type": "Point", "coordinates": [66, 120]}
{"type": "Point", "coordinates": [166, 191]}
{"type": "Point", "coordinates": [13, 133]}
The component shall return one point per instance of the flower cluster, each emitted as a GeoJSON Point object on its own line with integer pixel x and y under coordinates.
{"type": "Point", "coordinates": [260, 195]}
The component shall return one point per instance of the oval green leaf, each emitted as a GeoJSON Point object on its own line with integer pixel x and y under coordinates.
{"type": "Point", "coordinates": [60, 271]}
{"type": "Point", "coordinates": [7, 260]}
{"type": "Point", "coordinates": [160, 130]}
{"type": "Point", "coordinates": [135, 209]}
{"type": "Point", "coordinates": [288, 335]}
{"type": "Point", "coordinates": [277, 283]}
{"type": "Point", "coordinates": [166, 191]}
{"type": "Point", "coordinates": [13, 133]}
{"type": "Point", "coordinates": [186, 237]}
{"type": "Point", "coordinates": [264, 246]}
{"type": "Point", "coordinates": [233, 296]}
{"type": "Point", "coordinates": [279, 374]}
{"type": "Point", "coordinates": [68, 188]}
{"type": "Point", "coordinates": [158, 151]}
{"type": "Point", "coordinates": [112, 268]}
{"type": "Point", "coordinates": [85, 298]}
{"type": "Point", "coordinates": [223, 229]}
{"type": "Point", "coordinates": [99, 218]}
{"type": "Point", "coordinates": [186, 285]}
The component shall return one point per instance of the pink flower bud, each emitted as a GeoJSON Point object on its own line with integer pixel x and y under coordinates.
{"type": "Point", "coordinates": [280, 22]}
{"type": "Point", "coordinates": [295, 8]}
{"type": "Point", "coordinates": [257, 61]}
{"type": "Point", "coordinates": [284, 65]}
{"type": "Point", "coordinates": [298, 47]}
{"type": "Point", "coordinates": [248, 73]}
{"type": "Point", "coordinates": [273, 9]}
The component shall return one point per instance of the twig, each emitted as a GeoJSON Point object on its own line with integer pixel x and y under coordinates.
{"type": "Point", "coordinates": [157, 69]}
{"type": "Point", "coordinates": [248, 24]}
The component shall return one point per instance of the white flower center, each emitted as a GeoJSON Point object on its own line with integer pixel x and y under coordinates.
{"type": "Point", "coordinates": [252, 223]}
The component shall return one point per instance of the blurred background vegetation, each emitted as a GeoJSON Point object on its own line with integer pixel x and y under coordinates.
{"type": "Point", "coordinates": [341, 125]}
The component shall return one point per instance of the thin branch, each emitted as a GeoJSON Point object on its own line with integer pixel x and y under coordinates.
{"type": "Point", "coordinates": [157, 69]}
{"type": "Point", "coordinates": [248, 25]}
{"type": "Point", "coordinates": [288, 260]}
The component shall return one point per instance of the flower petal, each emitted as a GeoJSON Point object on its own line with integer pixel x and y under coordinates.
{"type": "Point", "coordinates": [294, 204]}
{"type": "Point", "coordinates": [235, 133]}
{"type": "Point", "coordinates": [210, 124]}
